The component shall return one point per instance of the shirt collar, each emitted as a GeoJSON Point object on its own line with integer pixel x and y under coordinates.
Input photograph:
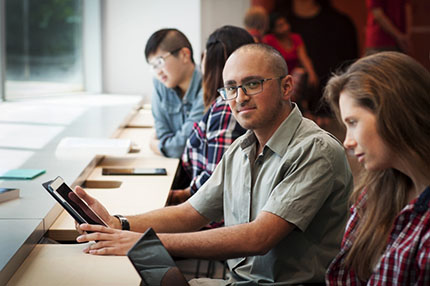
{"type": "Point", "coordinates": [194, 88]}
{"type": "Point", "coordinates": [280, 140]}
{"type": "Point", "coordinates": [422, 203]}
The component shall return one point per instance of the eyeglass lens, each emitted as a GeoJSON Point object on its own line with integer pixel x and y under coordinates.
{"type": "Point", "coordinates": [249, 88]}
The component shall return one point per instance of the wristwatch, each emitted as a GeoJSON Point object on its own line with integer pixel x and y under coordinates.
{"type": "Point", "coordinates": [125, 225]}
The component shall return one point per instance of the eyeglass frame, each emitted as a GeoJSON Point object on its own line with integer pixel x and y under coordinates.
{"type": "Point", "coordinates": [163, 59]}
{"type": "Point", "coordinates": [223, 89]}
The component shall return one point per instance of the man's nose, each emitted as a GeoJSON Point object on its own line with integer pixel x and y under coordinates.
{"type": "Point", "coordinates": [241, 95]}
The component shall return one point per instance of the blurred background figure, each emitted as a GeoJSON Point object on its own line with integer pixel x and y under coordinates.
{"type": "Point", "coordinates": [256, 22]}
{"type": "Point", "coordinates": [388, 26]}
{"type": "Point", "coordinates": [292, 48]}
{"type": "Point", "coordinates": [331, 42]}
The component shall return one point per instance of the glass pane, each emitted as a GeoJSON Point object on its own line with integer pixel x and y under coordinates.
{"type": "Point", "coordinates": [43, 47]}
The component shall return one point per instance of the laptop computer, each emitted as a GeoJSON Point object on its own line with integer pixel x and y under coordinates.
{"type": "Point", "coordinates": [154, 263]}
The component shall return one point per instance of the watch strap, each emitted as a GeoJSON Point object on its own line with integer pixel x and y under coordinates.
{"type": "Point", "coordinates": [125, 225]}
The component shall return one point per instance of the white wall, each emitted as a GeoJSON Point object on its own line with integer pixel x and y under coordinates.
{"type": "Point", "coordinates": [128, 24]}
{"type": "Point", "coordinates": [217, 13]}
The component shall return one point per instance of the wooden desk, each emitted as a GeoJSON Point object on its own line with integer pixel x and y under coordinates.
{"type": "Point", "coordinates": [136, 194]}
{"type": "Point", "coordinates": [42, 123]}
{"type": "Point", "coordinates": [66, 264]}
{"type": "Point", "coordinates": [142, 119]}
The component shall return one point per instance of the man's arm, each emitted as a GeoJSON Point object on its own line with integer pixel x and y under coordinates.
{"type": "Point", "coordinates": [180, 218]}
{"type": "Point", "coordinates": [111, 241]}
{"type": "Point", "coordinates": [254, 238]}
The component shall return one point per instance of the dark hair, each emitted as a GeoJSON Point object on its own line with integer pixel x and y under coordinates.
{"type": "Point", "coordinates": [220, 45]}
{"type": "Point", "coordinates": [167, 40]}
{"type": "Point", "coordinates": [273, 18]}
{"type": "Point", "coordinates": [396, 89]}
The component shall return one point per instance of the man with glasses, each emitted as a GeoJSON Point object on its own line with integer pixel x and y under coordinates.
{"type": "Point", "coordinates": [177, 101]}
{"type": "Point", "coordinates": [282, 189]}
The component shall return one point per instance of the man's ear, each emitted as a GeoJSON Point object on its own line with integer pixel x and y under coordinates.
{"type": "Point", "coordinates": [185, 54]}
{"type": "Point", "coordinates": [287, 87]}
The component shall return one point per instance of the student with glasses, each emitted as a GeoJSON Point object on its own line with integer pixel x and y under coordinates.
{"type": "Point", "coordinates": [281, 189]}
{"type": "Point", "coordinates": [218, 128]}
{"type": "Point", "coordinates": [177, 101]}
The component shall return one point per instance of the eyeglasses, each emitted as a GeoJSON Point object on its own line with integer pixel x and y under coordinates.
{"type": "Point", "coordinates": [160, 61]}
{"type": "Point", "coordinates": [249, 88]}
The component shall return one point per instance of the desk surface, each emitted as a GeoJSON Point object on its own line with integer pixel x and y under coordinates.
{"type": "Point", "coordinates": [73, 115]}
{"type": "Point", "coordinates": [17, 242]}
{"type": "Point", "coordinates": [127, 195]}
{"type": "Point", "coordinates": [142, 119]}
{"type": "Point", "coordinates": [73, 267]}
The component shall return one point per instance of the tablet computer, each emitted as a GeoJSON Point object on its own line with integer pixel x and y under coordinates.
{"type": "Point", "coordinates": [154, 263]}
{"type": "Point", "coordinates": [71, 202]}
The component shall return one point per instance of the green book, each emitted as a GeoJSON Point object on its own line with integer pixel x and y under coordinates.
{"type": "Point", "coordinates": [22, 174]}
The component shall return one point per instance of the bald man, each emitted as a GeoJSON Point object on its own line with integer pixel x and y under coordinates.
{"type": "Point", "coordinates": [281, 188]}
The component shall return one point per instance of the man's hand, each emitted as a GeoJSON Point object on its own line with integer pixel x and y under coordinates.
{"type": "Point", "coordinates": [109, 241]}
{"type": "Point", "coordinates": [98, 208]}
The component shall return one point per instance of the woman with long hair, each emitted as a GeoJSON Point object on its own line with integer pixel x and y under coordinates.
{"type": "Point", "coordinates": [218, 128]}
{"type": "Point", "coordinates": [384, 102]}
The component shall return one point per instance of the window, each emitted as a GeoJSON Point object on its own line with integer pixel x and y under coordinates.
{"type": "Point", "coordinates": [43, 47]}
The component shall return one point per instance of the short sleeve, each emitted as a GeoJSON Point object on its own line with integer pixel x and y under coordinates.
{"type": "Point", "coordinates": [307, 184]}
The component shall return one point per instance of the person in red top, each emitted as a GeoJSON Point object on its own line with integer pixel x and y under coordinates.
{"type": "Point", "coordinates": [383, 100]}
{"type": "Point", "coordinates": [290, 46]}
{"type": "Point", "coordinates": [388, 26]}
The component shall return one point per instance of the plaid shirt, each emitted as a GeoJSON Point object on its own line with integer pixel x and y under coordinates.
{"type": "Point", "coordinates": [208, 141]}
{"type": "Point", "coordinates": [406, 259]}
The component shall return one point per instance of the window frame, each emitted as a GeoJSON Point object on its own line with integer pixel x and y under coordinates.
{"type": "Point", "coordinates": [91, 48]}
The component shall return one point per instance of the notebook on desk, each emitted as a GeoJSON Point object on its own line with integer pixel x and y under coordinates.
{"type": "Point", "coordinates": [154, 263]}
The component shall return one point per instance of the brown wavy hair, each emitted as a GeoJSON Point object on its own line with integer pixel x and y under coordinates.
{"type": "Point", "coordinates": [396, 89]}
{"type": "Point", "coordinates": [220, 45]}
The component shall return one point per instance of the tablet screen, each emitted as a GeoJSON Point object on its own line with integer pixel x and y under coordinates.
{"type": "Point", "coordinates": [59, 189]}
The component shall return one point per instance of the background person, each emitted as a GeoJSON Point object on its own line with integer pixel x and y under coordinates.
{"type": "Point", "coordinates": [384, 100]}
{"type": "Point", "coordinates": [388, 26]}
{"type": "Point", "coordinates": [331, 43]}
{"type": "Point", "coordinates": [291, 46]}
{"type": "Point", "coordinates": [256, 22]}
{"type": "Point", "coordinates": [177, 101]}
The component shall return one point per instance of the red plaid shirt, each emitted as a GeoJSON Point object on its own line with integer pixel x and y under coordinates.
{"type": "Point", "coordinates": [406, 259]}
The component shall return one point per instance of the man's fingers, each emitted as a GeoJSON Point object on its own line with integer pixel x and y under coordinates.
{"type": "Point", "coordinates": [100, 248]}
{"type": "Point", "coordinates": [83, 195]}
{"type": "Point", "coordinates": [98, 232]}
